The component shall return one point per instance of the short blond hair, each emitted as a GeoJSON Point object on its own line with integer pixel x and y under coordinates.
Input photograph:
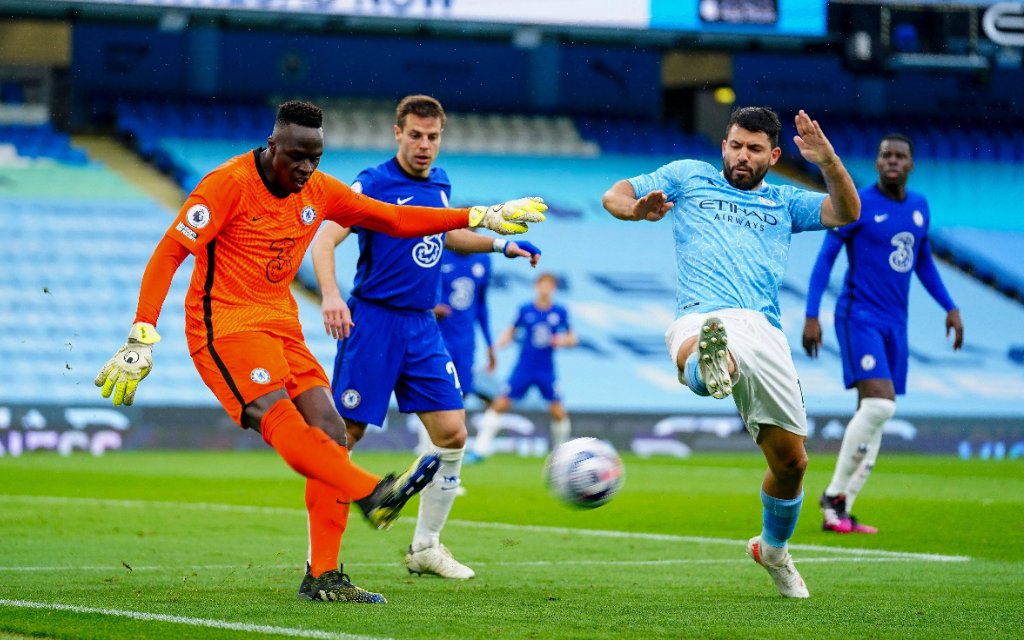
{"type": "Point", "coordinates": [418, 105]}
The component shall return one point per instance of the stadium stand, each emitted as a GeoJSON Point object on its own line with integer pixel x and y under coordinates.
{"type": "Point", "coordinates": [620, 289]}
{"type": "Point", "coordinates": [35, 142]}
{"type": "Point", "coordinates": [81, 237]}
{"type": "Point", "coordinates": [618, 276]}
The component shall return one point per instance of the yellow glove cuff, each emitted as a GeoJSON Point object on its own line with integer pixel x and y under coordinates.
{"type": "Point", "coordinates": [143, 332]}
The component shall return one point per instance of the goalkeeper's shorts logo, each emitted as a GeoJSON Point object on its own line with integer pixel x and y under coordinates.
{"type": "Point", "coordinates": [197, 216]}
{"type": "Point", "coordinates": [260, 375]}
{"type": "Point", "coordinates": [350, 398]}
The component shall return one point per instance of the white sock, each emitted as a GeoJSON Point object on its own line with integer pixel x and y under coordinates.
{"type": "Point", "coordinates": [860, 476]}
{"type": "Point", "coordinates": [560, 431]}
{"type": "Point", "coordinates": [437, 499]}
{"type": "Point", "coordinates": [868, 421]}
{"type": "Point", "coordinates": [486, 429]}
{"type": "Point", "coordinates": [773, 555]}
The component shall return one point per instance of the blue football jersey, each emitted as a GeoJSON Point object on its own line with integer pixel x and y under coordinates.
{"type": "Point", "coordinates": [400, 272]}
{"type": "Point", "coordinates": [464, 279]}
{"type": "Point", "coordinates": [534, 330]}
{"type": "Point", "coordinates": [732, 245]}
{"type": "Point", "coordinates": [885, 247]}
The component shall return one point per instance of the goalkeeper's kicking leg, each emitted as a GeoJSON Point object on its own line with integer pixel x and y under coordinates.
{"type": "Point", "coordinates": [318, 452]}
{"type": "Point", "coordinates": [426, 553]}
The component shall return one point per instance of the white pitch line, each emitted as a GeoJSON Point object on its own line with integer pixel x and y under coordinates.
{"type": "Point", "coordinates": [601, 533]}
{"type": "Point", "coordinates": [187, 620]}
{"type": "Point", "coordinates": [668, 537]}
{"type": "Point", "coordinates": [523, 563]}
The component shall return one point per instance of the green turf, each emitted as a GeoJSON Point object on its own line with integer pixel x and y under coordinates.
{"type": "Point", "coordinates": [169, 517]}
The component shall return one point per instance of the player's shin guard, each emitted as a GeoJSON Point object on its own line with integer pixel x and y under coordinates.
{"type": "Point", "coordinates": [866, 423]}
{"type": "Point", "coordinates": [560, 431]}
{"type": "Point", "coordinates": [437, 499]}
{"type": "Point", "coordinates": [779, 518]}
{"type": "Point", "coordinates": [312, 453]}
{"type": "Point", "coordinates": [328, 517]}
{"type": "Point", "coordinates": [487, 429]}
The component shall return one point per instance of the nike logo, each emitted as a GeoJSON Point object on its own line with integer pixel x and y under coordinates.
{"type": "Point", "coordinates": [404, 200]}
{"type": "Point", "coordinates": [881, 217]}
{"type": "Point", "coordinates": [448, 488]}
{"type": "Point", "coordinates": [257, 218]}
{"type": "Point", "coordinates": [342, 502]}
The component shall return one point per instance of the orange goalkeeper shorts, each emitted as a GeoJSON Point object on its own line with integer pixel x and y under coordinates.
{"type": "Point", "coordinates": [241, 367]}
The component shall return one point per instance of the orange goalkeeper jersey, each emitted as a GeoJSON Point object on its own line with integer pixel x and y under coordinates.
{"type": "Point", "coordinates": [248, 244]}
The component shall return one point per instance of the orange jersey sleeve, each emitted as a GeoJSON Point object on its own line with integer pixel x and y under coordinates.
{"type": "Point", "coordinates": [156, 279]}
{"type": "Point", "coordinates": [349, 208]}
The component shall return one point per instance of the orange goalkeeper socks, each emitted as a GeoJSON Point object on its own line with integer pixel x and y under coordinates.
{"type": "Point", "coordinates": [328, 516]}
{"type": "Point", "coordinates": [312, 453]}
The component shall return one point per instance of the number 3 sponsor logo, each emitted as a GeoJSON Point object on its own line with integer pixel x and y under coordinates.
{"type": "Point", "coordinates": [902, 259]}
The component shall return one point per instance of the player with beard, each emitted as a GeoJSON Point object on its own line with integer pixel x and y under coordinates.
{"type": "Point", "coordinates": [732, 235]}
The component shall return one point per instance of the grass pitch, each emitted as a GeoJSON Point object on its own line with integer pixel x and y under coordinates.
{"type": "Point", "coordinates": [212, 545]}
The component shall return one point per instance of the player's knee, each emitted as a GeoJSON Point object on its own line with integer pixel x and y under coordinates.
{"type": "Point", "coordinates": [252, 413]}
{"type": "Point", "coordinates": [452, 437]}
{"type": "Point", "coordinates": [356, 431]}
{"type": "Point", "coordinates": [791, 466]}
{"type": "Point", "coordinates": [878, 409]}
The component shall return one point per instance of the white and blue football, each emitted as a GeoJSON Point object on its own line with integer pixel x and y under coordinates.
{"type": "Point", "coordinates": [585, 472]}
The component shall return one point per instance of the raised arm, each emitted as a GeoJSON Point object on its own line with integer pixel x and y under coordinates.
{"type": "Point", "coordinates": [819, 282]}
{"type": "Point", "coordinates": [337, 317]}
{"type": "Point", "coordinates": [621, 201]}
{"type": "Point", "coordinates": [842, 206]}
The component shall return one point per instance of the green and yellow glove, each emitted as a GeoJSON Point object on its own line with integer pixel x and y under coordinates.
{"type": "Point", "coordinates": [133, 362]}
{"type": "Point", "coordinates": [509, 217]}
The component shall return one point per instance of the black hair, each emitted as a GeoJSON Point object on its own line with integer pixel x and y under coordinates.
{"type": "Point", "coordinates": [304, 114]}
{"type": "Point", "coordinates": [898, 137]}
{"type": "Point", "coordinates": [755, 119]}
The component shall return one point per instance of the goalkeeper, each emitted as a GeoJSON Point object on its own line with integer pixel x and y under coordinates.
{"type": "Point", "coordinates": [248, 224]}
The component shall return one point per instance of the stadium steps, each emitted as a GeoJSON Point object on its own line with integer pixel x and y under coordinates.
{"type": "Point", "coordinates": [133, 169]}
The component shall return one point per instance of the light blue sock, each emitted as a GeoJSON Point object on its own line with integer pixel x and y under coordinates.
{"type": "Point", "coordinates": [779, 518]}
{"type": "Point", "coordinates": [693, 379]}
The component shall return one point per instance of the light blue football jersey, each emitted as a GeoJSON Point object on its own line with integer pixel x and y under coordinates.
{"type": "Point", "coordinates": [732, 245]}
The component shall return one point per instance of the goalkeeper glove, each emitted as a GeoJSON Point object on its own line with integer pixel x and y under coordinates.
{"type": "Point", "coordinates": [133, 362]}
{"type": "Point", "coordinates": [508, 217]}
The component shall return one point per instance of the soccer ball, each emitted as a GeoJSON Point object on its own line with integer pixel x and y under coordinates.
{"type": "Point", "coordinates": [585, 472]}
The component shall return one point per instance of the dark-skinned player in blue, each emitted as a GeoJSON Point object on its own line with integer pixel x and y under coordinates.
{"type": "Point", "coordinates": [885, 248]}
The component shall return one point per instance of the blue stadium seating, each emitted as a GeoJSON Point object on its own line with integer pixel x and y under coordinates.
{"type": "Point", "coordinates": [42, 141]}
{"type": "Point", "coordinates": [74, 311]}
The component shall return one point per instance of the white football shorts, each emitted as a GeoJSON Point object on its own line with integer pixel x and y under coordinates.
{"type": "Point", "coordinates": [767, 390]}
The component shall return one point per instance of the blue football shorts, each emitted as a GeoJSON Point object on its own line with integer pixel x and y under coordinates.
{"type": "Point", "coordinates": [872, 349]}
{"type": "Point", "coordinates": [393, 350]}
{"type": "Point", "coordinates": [522, 379]}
